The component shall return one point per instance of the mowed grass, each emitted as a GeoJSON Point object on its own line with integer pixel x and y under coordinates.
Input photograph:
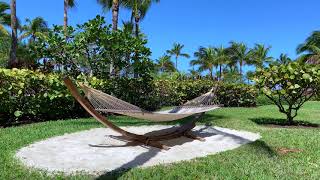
{"type": "Point", "coordinates": [258, 160]}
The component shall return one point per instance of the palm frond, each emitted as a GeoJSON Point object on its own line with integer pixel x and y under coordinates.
{"type": "Point", "coordinates": [5, 18]}
{"type": "Point", "coordinates": [71, 3]}
{"type": "Point", "coordinates": [106, 4]}
{"type": "Point", "coordinates": [3, 30]}
{"type": "Point", "coordinates": [185, 55]}
{"type": "Point", "coordinates": [4, 6]}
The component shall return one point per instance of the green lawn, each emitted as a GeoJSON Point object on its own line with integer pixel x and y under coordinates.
{"type": "Point", "coordinates": [258, 160]}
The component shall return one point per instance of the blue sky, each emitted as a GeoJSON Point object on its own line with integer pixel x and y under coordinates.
{"type": "Point", "coordinates": [282, 24]}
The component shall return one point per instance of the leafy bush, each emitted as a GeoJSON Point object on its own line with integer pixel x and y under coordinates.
{"type": "Point", "coordinates": [27, 95]}
{"type": "Point", "coordinates": [237, 95]}
{"type": "Point", "coordinates": [293, 83]}
{"type": "Point", "coordinates": [91, 47]}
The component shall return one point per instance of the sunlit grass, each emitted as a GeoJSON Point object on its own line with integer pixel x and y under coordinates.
{"type": "Point", "coordinates": [258, 160]}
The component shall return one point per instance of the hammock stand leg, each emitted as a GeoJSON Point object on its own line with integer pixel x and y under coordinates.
{"type": "Point", "coordinates": [153, 141]}
{"type": "Point", "coordinates": [190, 135]}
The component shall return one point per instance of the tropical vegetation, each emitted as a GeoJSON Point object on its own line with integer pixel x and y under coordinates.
{"type": "Point", "coordinates": [289, 86]}
{"type": "Point", "coordinates": [115, 58]}
{"type": "Point", "coordinates": [37, 96]}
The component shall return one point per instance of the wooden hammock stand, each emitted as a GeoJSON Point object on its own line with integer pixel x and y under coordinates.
{"type": "Point", "coordinates": [149, 140]}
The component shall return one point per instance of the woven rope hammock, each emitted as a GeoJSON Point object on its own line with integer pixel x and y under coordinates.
{"type": "Point", "coordinates": [99, 101]}
{"type": "Point", "coordinates": [103, 102]}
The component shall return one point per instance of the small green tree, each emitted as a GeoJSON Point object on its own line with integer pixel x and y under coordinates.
{"type": "Point", "coordinates": [92, 47]}
{"type": "Point", "coordinates": [291, 84]}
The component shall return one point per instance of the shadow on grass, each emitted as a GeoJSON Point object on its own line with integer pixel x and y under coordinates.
{"type": "Point", "coordinates": [283, 123]}
{"type": "Point", "coordinates": [139, 160]}
{"type": "Point", "coordinates": [262, 148]}
{"type": "Point", "coordinates": [128, 121]}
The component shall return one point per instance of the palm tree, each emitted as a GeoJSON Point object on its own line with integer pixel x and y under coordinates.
{"type": "Point", "coordinates": [127, 26]}
{"type": "Point", "coordinates": [113, 5]}
{"type": "Point", "coordinates": [195, 74]}
{"type": "Point", "coordinates": [206, 59]}
{"type": "Point", "coordinates": [312, 55]}
{"type": "Point", "coordinates": [5, 18]}
{"type": "Point", "coordinates": [310, 49]}
{"type": "Point", "coordinates": [250, 75]}
{"type": "Point", "coordinates": [165, 64]}
{"type": "Point", "coordinates": [223, 57]}
{"type": "Point", "coordinates": [176, 52]}
{"type": "Point", "coordinates": [13, 62]}
{"type": "Point", "coordinates": [139, 10]}
{"type": "Point", "coordinates": [259, 55]}
{"type": "Point", "coordinates": [240, 53]}
{"type": "Point", "coordinates": [36, 27]}
{"type": "Point", "coordinates": [67, 4]}
{"type": "Point", "coordinates": [283, 59]}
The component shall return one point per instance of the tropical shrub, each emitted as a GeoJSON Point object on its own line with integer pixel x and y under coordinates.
{"type": "Point", "coordinates": [5, 43]}
{"type": "Point", "coordinates": [293, 84]}
{"type": "Point", "coordinates": [28, 96]}
{"type": "Point", "coordinates": [176, 92]}
{"type": "Point", "coordinates": [91, 47]}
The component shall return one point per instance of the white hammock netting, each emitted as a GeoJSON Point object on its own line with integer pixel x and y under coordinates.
{"type": "Point", "coordinates": [106, 103]}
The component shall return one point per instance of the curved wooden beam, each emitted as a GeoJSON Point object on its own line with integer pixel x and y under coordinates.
{"type": "Point", "coordinates": [151, 140]}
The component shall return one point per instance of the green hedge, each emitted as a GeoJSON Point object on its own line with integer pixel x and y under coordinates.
{"type": "Point", "coordinates": [230, 95]}
{"type": "Point", "coordinates": [26, 95]}
{"type": "Point", "coordinates": [33, 96]}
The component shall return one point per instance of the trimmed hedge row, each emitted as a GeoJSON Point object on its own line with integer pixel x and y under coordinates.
{"type": "Point", "coordinates": [26, 95]}
{"type": "Point", "coordinates": [33, 96]}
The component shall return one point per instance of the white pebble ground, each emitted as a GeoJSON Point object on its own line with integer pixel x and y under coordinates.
{"type": "Point", "coordinates": [101, 150]}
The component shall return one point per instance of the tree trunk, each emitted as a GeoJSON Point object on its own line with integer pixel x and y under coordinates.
{"type": "Point", "coordinates": [65, 17]}
{"type": "Point", "coordinates": [220, 70]}
{"type": "Point", "coordinates": [115, 14]}
{"type": "Point", "coordinates": [290, 119]}
{"type": "Point", "coordinates": [13, 62]}
{"type": "Point", "coordinates": [65, 24]}
{"type": "Point", "coordinates": [211, 73]}
{"type": "Point", "coordinates": [289, 116]}
{"type": "Point", "coordinates": [137, 20]}
{"type": "Point", "coordinates": [176, 63]}
{"type": "Point", "coordinates": [240, 65]}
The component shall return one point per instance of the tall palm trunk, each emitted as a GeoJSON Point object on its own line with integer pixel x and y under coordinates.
{"type": "Point", "coordinates": [65, 16]}
{"type": "Point", "coordinates": [211, 73]}
{"type": "Point", "coordinates": [13, 62]}
{"type": "Point", "coordinates": [65, 24]}
{"type": "Point", "coordinates": [177, 63]}
{"type": "Point", "coordinates": [115, 16]}
{"type": "Point", "coordinates": [220, 70]}
{"type": "Point", "coordinates": [137, 20]}
{"type": "Point", "coordinates": [240, 66]}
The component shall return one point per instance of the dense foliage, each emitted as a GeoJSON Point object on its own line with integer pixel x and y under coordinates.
{"type": "Point", "coordinates": [4, 49]}
{"type": "Point", "coordinates": [32, 95]}
{"type": "Point", "coordinates": [291, 84]}
{"type": "Point", "coordinates": [91, 48]}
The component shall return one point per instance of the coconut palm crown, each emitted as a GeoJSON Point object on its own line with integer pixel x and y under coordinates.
{"type": "Point", "coordinates": [176, 51]}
